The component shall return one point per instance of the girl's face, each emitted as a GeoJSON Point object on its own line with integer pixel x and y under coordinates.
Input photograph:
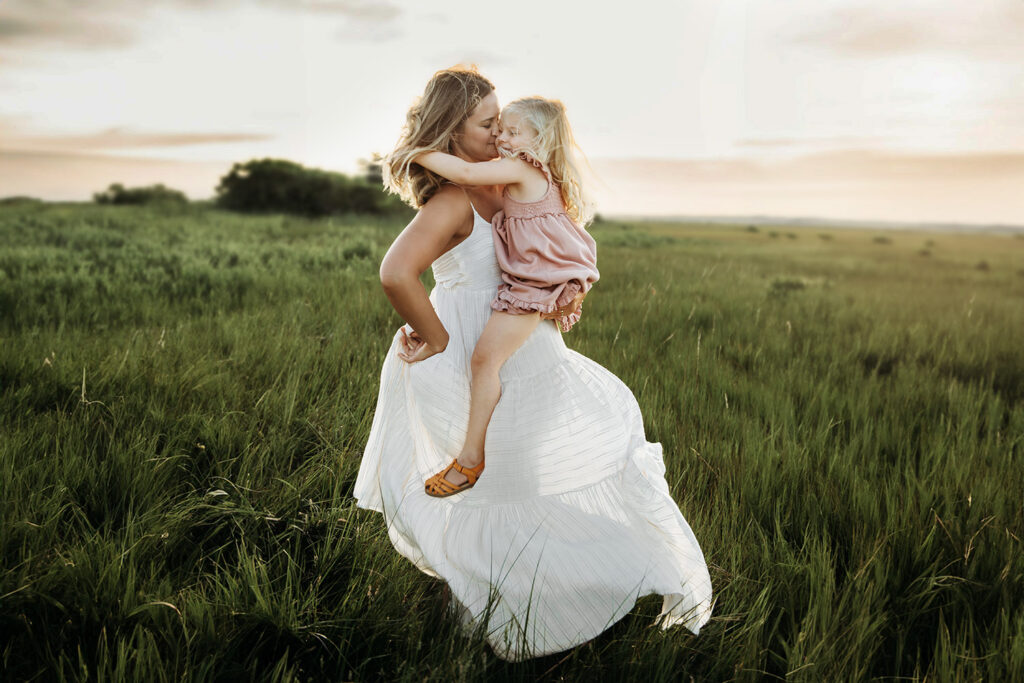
{"type": "Point", "coordinates": [476, 140]}
{"type": "Point", "coordinates": [514, 134]}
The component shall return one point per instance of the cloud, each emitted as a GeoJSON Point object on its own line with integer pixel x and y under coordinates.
{"type": "Point", "coordinates": [362, 32]}
{"type": "Point", "coordinates": [13, 28]}
{"type": "Point", "coordinates": [364, 11]}
{"type": "Point", "coordinates": [905, 166]}
{"type": "Point", "coordinates": [14, 137]}
{"type": "Point", "coordinates": [369, 21]}
{"type": "Point", "coordinates": [378, 10]}
{"type": "Point", "coordinates": [798, 142]}
{"type": "Point", "coordinates": [864, 33]}
{"type": "Point", "coordinates": [990, 30]}
{"type": "Point", "coordinates": [117, 138]}
{"type": "Point", "coordinates": [835, 166]}
{"type": "Point", "coordinates": [481, 58]}
{"type": "Point", "coordinates": [116, 24]}
{"type": "Point", "coordinates": [868, 185]}
{"type": "Point", "coordinates": [59, 176]}
{"type": "Point", "coordinates": [74, 29]}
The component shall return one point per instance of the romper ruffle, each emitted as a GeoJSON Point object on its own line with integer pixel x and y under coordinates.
{"type": "Point", "coordinates": [546, 259]}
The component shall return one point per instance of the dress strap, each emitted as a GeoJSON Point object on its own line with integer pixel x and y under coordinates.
{"type": "Point", "coordinates": [553, 188]}
{"type": "Point", "coordinates": [476, 214]}
{"type": "Point", "coordinates": [530, 159]}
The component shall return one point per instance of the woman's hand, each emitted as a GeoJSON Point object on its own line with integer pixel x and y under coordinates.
{"type": "Point", "coordinates": [409, 340]}
{"type": "Point", "coordinates": [413, 348]}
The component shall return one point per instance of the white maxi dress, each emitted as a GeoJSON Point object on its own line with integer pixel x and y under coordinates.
{"type": "Point", "coordinates": [571, 520]}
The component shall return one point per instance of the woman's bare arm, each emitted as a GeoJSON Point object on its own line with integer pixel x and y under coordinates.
{"type": "Point", "coordinates": [425, 238]}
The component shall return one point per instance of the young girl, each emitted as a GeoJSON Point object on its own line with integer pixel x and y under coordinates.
{"type": "Point", "coordinates": [548, 261]}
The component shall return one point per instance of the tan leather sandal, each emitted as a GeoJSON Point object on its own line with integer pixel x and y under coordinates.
{"type": "Point", "coordinates": [439, 487]}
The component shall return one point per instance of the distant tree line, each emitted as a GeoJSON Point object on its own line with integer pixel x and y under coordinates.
{"type": "Point", "coordinates": [278, 185]}
{"type": "Point", "coordinates": [151, 194]}
{"type": "Point", "coordinates": [19, 200]}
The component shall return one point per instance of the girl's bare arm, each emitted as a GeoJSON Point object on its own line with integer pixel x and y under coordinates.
{"type": "Point", "coordinates": [496, 172]}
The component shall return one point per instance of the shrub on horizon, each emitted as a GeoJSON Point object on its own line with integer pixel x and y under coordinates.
{"type": "Point", "coordinates": [269, 185]}
{"type": "Point", "coordinates": [19, 200]}
{"type": "Point", "coordinates": [151, 194]}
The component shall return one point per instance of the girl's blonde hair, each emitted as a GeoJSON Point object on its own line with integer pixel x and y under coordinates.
{"type": "Point", "coordinates": [432, 124]}
{"type": "Point", "coordinates": [555, 146]}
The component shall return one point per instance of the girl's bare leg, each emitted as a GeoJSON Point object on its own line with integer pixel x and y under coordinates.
{"type": "Point", "coordinates": [502, 335]}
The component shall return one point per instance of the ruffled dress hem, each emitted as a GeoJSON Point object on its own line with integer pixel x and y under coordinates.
{"type": "Point", "coordinates": [507, 302]}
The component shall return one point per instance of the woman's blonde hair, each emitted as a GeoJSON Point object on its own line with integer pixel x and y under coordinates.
{"type": "Point", "coordinates": [432, 124]}
{"type": "Point", "coordinates": [555, 146]}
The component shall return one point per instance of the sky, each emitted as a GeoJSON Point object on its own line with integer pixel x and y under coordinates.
{"type": "Point", "coordinates": [843, 109]}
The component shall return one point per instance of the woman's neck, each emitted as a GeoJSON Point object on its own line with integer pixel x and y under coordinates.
{"type": "Point", "coordinates": [485, 199]}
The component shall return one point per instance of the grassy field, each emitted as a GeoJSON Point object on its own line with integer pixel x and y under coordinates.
{"type": "Point", "coordinates": [184, 398]}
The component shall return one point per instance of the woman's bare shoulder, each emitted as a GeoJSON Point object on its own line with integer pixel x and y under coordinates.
{"type": "Point", "coordinates": [449, 199]}
{"type": "Point", "coordinates": [449, 210]}
{"type": "Point", "coordinates": [449, 195]}
{"type": "Point", "coordinates": [445, 218]}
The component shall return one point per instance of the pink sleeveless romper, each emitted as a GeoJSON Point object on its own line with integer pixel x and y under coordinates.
{"type": "Point", "coordinates": [544, 256]}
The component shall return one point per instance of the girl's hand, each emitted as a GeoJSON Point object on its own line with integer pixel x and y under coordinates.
{"type": "Point", "coordinates": [565, 310]}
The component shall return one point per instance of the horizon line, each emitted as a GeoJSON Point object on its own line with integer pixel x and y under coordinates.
{"type": "Point", "coordinates": [756, 220]}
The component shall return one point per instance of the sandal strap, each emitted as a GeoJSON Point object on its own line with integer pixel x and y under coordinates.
{"type": "Point", "coordinates": [438, 484]}
{"type": "Point", "coordinates": [471, 473]}
{"type": "Point", "coordinates": [441, 485]}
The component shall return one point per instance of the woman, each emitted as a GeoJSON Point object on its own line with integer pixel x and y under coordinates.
{"type": "Point", "coordinates": [571, 520]}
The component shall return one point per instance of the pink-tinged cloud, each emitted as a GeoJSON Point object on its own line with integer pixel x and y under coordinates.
{"type": "Point", "coordinates": [366, 10]}
{"type": "Point", "coordinates": [120, 138]}
{"type": "Point", "coordinates": [114, 24]}
{"type": "Point", "coordinates": [68, 31]}
{"type": "Point", "coordinates": [989, 30]}
{"type": "Point", "coordinates": [75, 177]}
{"type": "Point", "coordinates": [862, 185]}
{"type": "Point", "coordinates": [836, 141]}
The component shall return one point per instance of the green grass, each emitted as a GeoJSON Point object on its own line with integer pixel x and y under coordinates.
{"type": "Point", "coordinates": [184, 398]}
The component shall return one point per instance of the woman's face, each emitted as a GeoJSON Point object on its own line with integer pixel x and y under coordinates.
{"type": "Point", "coordinates": [479, 132]}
